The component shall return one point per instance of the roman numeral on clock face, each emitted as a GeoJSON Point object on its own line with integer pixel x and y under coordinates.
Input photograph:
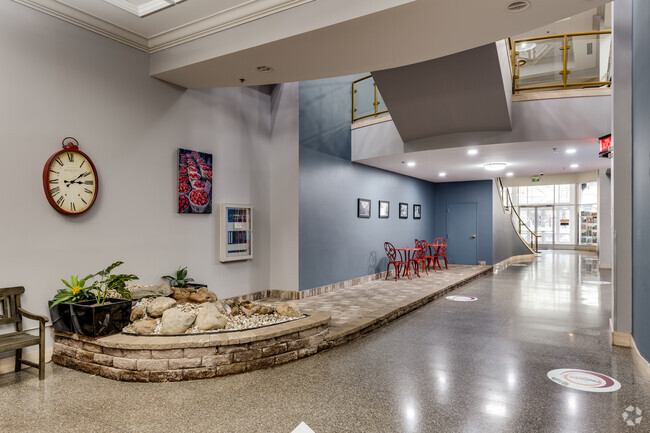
{"type": "Point", "coordinates": [54, 181]}
{"type": "Point", "coordinates": [72, 206]}
{"type": "Point", "coordinates": [89, 191]}
{"type": "Point", "coordinates": [71, 157]}
{"type": "Point", "coordinates": [58, 160]}
{"type": "Point", "coordinates": [89, 182]}
{"type": "Point", "coordinates": [60, 201]}
{"type": "Point", "coordinates": [54, 191]}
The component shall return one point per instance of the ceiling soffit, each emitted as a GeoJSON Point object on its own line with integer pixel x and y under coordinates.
{"type": "Point", "coordinates": [210, 21]}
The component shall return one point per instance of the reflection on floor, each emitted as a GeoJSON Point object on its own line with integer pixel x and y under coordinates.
{"type": "Point", "coordinates": [448, 367]}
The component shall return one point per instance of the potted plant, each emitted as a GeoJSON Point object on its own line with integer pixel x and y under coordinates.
{"type": "Point", "coordinates": [75, 291]}
{"type": "Point", "coordinates": [91, 311]}
{"type": "Point", "coordinates": [181, 279]}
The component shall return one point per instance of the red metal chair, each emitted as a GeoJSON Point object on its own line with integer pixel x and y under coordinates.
{"type": "Point", "coordinates": [441, 251]}
{"type": "Point", "coordinates": [392, 258]}
{"type": "Point", "coordinates": [420, 256]}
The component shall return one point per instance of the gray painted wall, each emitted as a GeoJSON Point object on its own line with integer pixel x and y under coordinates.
{"type": "Point", "coordinates": [283, 200]}
{"type": "Point", "coordinates": [505, 242]}
{"type": "Point", "coordinates": [335, 245]}
{"type": "Point", "coordinates": [66, 81]}
{"type": "Point", "coordinates": [622, 167]}
{"type": "Point", "coordinates": [479, 192]}
{"type": "Point", "coordinates": [641, 177]}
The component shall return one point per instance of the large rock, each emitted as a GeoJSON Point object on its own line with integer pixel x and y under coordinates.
{"type": "Point", "coordinates": [175, 321]}
{"type": "Point", "coordinates": [263, 309]}
{"type": "Point", "coordinates": [138, 313]}
{"type": "Point", "coordinates": [202, 295]}
{"type": "Point", "coordinates": [150, 291]}
{"type": "Point", "coordinates": [210, 318]}
{"type": "Point", "coordinates": [144, 326]}
{"type": "Point", "coordinates": [289, 309]}
{"type": "Point", "coordinates": [158, 306]}
{"type": "Point", "coordinates": [182, 294]}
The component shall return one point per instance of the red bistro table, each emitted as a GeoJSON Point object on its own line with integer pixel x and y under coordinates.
{"type": "Point", "coordinates": [405, 254]}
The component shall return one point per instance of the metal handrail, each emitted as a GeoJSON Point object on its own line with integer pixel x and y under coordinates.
{"type": "Point", "coordinates": [509, 206]}
{"type": "Point", "coordinates": [515, 65]}
{"type": "Point", "coordinates": [376, 102]}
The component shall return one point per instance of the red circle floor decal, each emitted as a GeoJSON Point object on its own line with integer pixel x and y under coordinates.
{"type": "Point", "coordinates": [462, 298]}
{"type": "Point", "coordinates": [584, 380]}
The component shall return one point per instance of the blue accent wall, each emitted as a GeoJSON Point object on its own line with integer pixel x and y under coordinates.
{"type": "Point", "coordinates": [479, 192]}
{"type": "Point", "coordinates": [641, 176]}
{"type": "Point", "coordinates": [335, 245]}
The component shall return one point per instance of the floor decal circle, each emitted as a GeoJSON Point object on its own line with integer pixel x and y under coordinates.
{"type": "Point", "coordinates": [462, 298]}
{"type": "Point", "coordinates": [584, 380]}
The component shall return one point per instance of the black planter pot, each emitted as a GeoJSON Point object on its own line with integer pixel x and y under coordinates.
{"type": "Point", "coordinates": [100, 320]}
{"type": "Point", "coordinates": [61, 316]}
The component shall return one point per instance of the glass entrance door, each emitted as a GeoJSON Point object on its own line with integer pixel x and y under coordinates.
{"type": "Point", "coordinates": [541, 220]}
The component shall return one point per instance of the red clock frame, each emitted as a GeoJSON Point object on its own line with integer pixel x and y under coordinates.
{"type": "Point", "coordinates": [68, 144]}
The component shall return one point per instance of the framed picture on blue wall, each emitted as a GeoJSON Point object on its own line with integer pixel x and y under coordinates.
{"type": "Point", "coordinates": [384, 209]}
{"type": "Point", "coordinates": [417, 211]}
{"type": "Point", "coordinates": [403, 210]}
{"type": "Point", "coordinates": [363, 208]}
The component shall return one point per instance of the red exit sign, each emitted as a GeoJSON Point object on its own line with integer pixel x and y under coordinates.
{"type": "Point", "coordinates": [605, 145]}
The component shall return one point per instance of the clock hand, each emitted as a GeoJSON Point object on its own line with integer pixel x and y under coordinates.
{"type": "Point", "coordinates": [69, 182]}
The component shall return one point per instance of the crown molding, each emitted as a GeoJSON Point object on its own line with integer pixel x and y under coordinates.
{"type": "Point", "coordinates": [88, 22]}
{"type": "Point", "coordinates": [144, 9]}
{"type": "Point", "coordinates": [243, 13]}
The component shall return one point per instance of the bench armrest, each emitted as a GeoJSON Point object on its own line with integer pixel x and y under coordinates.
{"type": "Point", "coordinates": [32, 316]}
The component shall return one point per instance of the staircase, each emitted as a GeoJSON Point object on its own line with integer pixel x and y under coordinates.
{"type": "Point", "coordinates": [525, 233]}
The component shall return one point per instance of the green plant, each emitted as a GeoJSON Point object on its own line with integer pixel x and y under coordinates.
{"type": "Point", "coordinates": [76, 291]}
{"type": "Point", "coordinates": [181, 279]}
{"type": "Point", "coordinates": [104, 283]}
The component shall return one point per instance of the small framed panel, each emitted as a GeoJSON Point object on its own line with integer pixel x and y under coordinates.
{"type": "Point", "coordinates": [384, 209]}
{"type": "Point", "coordinates": [363, 208]}
{"type": "Point", "coordinates": [236, 228]}
{"type": "Point", "coordinates": [417, 211]}
{"type": "Point", "coordinates": [404, 210]}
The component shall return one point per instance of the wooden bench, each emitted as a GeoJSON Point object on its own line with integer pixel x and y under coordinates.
{"type": "Point", "coordinates": [11, 312]}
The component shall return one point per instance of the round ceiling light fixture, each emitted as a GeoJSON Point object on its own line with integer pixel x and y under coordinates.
{"type": "Point", "coordinates": [472, 151]}
{"type": "Point", "coordinates": [264, 69]}
{"type": "Point", "coordinates": [442, 174]}
{"type": "Point", "coordinates": [494, 166]}
{"type": "Point", "coordinates": [574, 166]}
{"type": "Point", "coordinates": [518, 6]}
{"type": "Point", "coordinates": [510, 174]}
{"type": "Point", "coordinates": [410, 164]}
{"type": "Point", "coordinates": [571, 150]}
{"type": "Point", "coordinates": [526, 46]}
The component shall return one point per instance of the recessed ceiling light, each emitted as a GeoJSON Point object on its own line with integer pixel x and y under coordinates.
{"type": "Point", "coordinates": [442, 174]}
{"type": "Point", "coordinates": [494, 166]}
{"type": "Point", "coordinates": [264, 68]}
{"type": "Point", "coordinates": [410, 164]}
{"type": "Point", "coordinates": [518, 6]}
{"type": "Point", "coordinates": [574, 165]}
{"type": "Point", "coordinates": [472, 152]}
{"type": "Point", "coordinates": [510, 174]}
{"type": "Point", "coordinates": [571, 150]}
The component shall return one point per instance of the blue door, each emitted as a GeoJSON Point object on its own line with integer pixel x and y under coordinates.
{"type": "Point", "coordinates": [462, 241]}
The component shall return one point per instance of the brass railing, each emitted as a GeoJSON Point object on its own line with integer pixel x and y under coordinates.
{"type": "Point", "coordinates": [518, 224]}
{"type": "Point", "coordinates": [374, 111]}
{"type": "Point", "coordinates": [523, 56]}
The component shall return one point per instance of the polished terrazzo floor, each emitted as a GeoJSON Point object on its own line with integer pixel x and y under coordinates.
{"type": "Point", "coordinates": [447, 367]}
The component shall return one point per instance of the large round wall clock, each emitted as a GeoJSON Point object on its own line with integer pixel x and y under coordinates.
{"type": "Point", "coordinates": [70, 179]}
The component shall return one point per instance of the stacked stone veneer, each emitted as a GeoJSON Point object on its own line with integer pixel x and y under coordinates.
{"type": "Point", "coordinates": [165, 359]}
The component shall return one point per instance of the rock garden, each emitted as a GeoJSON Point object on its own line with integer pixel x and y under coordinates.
{"type": "Point", "coordinates": [165, 310]}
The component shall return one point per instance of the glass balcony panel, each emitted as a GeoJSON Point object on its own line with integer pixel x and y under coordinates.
{"type": "Point", "coordinates": [365, 98]}
{"type": "Point", "coordinates": [540, 62]}
{"type": "Point", "coordinates": [584, 58]}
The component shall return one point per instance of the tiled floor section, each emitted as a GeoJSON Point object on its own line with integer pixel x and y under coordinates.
{"type": "Point", "coordinates": [359, 307]}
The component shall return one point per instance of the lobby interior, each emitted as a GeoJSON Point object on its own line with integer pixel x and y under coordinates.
{"type": "Point", "coordinates": [283, 141]}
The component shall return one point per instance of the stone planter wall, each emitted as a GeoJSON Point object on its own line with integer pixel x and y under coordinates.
{"type": "Point", "coordinates": [165, 359]}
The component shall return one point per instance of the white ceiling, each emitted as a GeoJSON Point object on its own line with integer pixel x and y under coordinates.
{"type": "Point", "coordinates": [522, 159]}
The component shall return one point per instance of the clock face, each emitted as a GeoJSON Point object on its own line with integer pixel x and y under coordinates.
{"type": "Point", "coordinates": [70, 182]}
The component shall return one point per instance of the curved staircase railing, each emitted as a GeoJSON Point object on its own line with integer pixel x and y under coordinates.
{"type": "Point", "coordinates": [525, 233]}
